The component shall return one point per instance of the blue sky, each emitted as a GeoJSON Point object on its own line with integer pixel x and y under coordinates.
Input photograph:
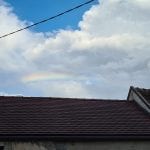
{"type": "Point", "coordinates": [35, 10]}
{"type": "Point", "coordinates": [97, 51]}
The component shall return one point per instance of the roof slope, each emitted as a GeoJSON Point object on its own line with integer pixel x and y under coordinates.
{"type": "Point", "coordinates": [145, 93]}
{"type": "Point", "coordinates": [31, 116]}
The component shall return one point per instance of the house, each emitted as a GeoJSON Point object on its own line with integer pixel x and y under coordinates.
{"type": "Point", "coordinates": [41, 123]}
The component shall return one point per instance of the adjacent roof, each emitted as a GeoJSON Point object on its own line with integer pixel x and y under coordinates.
{"type": "Point", "coordinates": [39, 118]}
{"type": "Point", "coordinates": [145, 93]}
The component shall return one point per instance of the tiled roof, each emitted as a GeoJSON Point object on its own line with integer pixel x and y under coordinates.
{"type": "Point", "coordinates": [31, 116]}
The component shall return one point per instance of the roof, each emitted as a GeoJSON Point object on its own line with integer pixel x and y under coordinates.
{"type": "Point", "coordinates": [145, 93]}
{"type": "Point", "coordinates": [39, 118]}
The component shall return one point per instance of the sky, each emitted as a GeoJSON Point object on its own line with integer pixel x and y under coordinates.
{"type": "Point", "coordinates": [98, 51]}
{"type": "Point", "coordinates": [34, 11]}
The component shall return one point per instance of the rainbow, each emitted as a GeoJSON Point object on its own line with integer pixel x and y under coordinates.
{"type": "Point", "coordinates": [45, 76]}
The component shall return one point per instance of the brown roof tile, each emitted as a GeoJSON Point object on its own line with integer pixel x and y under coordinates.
{"type": "Point", "coordinates": [28, 116]}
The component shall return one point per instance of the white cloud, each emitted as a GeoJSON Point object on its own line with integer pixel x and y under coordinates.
{"type": "Point", "coordinates": [109, 53]}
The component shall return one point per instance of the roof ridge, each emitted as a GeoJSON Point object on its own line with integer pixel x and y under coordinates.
{"type": "Point", "coordinates": [59, 98]}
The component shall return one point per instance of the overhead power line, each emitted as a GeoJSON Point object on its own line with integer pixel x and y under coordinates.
{"type": "Point", "coordinates": [45, 20]}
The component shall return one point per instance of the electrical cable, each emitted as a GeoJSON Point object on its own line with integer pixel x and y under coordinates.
{"type": "Point", "coordinates": [45, 20]}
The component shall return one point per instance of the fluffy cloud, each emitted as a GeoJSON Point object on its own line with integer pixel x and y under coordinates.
{"type": "Point", "coordinates": [102, 59]}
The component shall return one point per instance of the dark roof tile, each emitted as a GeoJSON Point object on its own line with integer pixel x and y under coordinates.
{"type": "Point", "coordinates": [55, 116]}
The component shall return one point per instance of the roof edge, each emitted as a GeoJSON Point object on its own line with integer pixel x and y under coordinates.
{"type": "Point", "coordinates": [128, 97]}
{"type": "Point", "coordinates": [74, 137]}
{"type": "Point", "coordinates": [19, 98]}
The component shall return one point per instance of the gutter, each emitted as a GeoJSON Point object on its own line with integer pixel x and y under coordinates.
{"type": "Point", "coordinates": [69, 137]}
